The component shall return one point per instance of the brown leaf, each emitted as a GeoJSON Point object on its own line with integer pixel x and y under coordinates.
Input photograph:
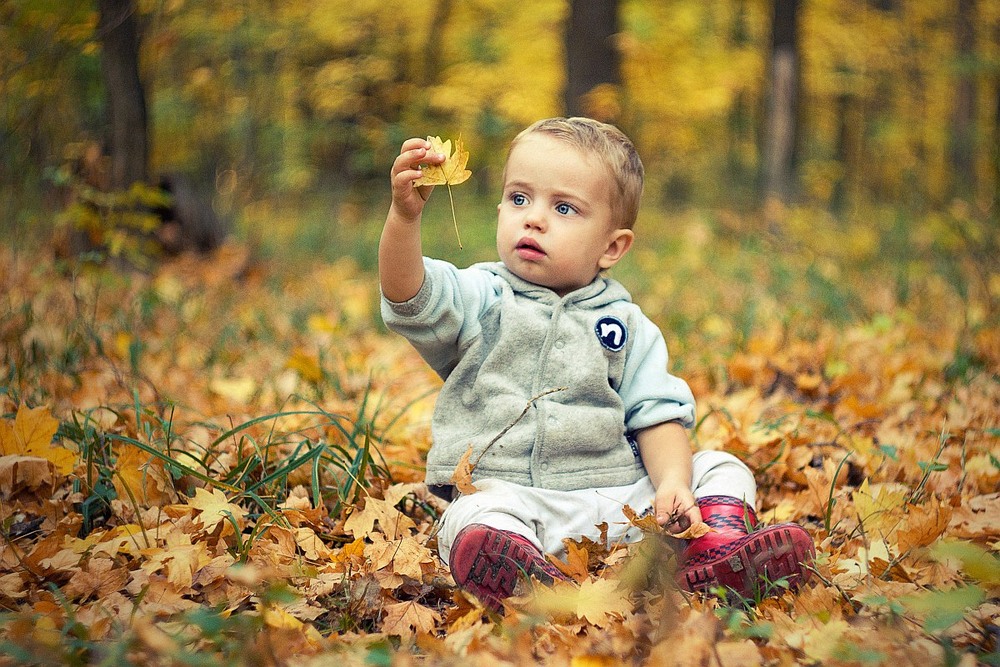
{"type": "Point", "coordinates": [924, 524]}
{"type": "Point", "coordinates": [462, 477]}
{"type": "Point", "coordinates": [18, 473]}
{"type": "Point", "coordinates": [100, 578]}
{"type": "Point", "coordinates": [646, 523]}
{"type": "Point", "coordinates": [693, 532]}
{"type": "Point", "coordinates": [403, 619]}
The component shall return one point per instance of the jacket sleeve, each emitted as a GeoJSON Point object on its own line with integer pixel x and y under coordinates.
{"type": "Point", "coordinates": [442, 319]}
{"type": "Point", "coordinates": [650, 393]}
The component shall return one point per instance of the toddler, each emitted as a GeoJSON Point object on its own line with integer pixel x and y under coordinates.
{"type": "Point", "coordinates": [606, 426]}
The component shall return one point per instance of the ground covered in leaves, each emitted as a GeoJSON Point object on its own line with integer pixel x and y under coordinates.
{"type": "Point", "coordinates": [217, 462]}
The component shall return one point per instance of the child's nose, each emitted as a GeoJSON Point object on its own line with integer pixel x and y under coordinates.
{"type": "Point", "coordinates": [534, 219]}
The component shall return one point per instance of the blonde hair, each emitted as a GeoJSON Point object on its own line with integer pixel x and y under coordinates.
{"type": "Point", "coordinates": [611, 147]}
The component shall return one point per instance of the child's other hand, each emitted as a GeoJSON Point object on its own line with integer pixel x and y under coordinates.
{"type": "Point", "coordinates": [407, 200]}
{"type": "Point", "coordinates": [676, 508]}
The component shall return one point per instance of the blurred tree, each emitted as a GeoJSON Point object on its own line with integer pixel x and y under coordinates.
{"type": "Point", "coordinates": [118, 32]}
{"type": "Point", "coordinates": [592, 60]}
{"type": "Point", "coordinates": [963, 127]}
{"type": "Point", "coordinates": [781, 118]}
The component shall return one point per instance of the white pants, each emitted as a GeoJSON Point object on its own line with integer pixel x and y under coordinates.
{"type": "Point", "coordinates": [546, 517]}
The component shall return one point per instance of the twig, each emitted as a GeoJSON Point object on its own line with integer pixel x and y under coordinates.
{"type": "Point", "coordinates": [504, 432]}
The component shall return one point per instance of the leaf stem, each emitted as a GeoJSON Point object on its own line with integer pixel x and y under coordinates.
{"type": "Point", "coordinates": [454, 218]}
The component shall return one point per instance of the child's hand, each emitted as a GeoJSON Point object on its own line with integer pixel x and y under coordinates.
{"type": "Point", "coordinates": [675, 507]}
{"type": "Point", "coordinates": [407, 200]}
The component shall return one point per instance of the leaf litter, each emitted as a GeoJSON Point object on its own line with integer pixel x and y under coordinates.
{"type": "Point", "coordinates": [143, 512]}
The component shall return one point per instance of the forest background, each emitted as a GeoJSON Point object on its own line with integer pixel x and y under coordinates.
{"type": "Point", "coordinates": [820, 240]}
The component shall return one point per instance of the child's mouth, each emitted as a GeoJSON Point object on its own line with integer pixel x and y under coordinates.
{"type": "Point", "coordinates": [529, 249]}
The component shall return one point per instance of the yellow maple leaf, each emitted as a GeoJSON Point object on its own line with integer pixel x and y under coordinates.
{"type": "Point", "coordinates": [879, 507]}
{"type": "Point", "coordinates": [391, 521]}
{"type": "Point", "coordinates": [215, 509]}
{"type": "Point", "coordinates": [598, 602]}
{"type": "Point", "coordinates": [31, 434]}
{"type": "Point", "coordinates": [405, 618]}
{"type": "Point", "coordinates": [450, 172]}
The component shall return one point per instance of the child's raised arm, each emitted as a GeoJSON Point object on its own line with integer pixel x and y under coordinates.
{"type": "Point", "coordinates": [400, 257]}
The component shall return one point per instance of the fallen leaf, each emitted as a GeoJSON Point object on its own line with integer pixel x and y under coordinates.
{"type": "Point", "coordinates": [100, 578]}
{"type": "Point", "coordinates": [31, 434]}
{"type": "Point", "coordinates": [24, 472]}
{"type": "Point", "coordinates": [216, 509]}
{"type": "Point", "coordinates": [142, 478]}
{"type": "Point", "coordinates": [391, 521]}
{"type": "Point", "coordinates": [693, 532]}
{"type": "Point", "coordinates": [403, 619]}
{"type": "Point", "coordinates": [597, 601]}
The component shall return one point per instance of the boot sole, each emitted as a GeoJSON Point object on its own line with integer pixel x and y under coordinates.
{"type": "Point", "coordinates": [492, 565]}
{"type": "Point", "coordinates": [752, 568]}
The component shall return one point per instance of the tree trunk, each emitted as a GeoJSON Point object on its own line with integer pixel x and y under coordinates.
{"type": "Point", "coordinates": [118, 30]}
{"type": "Point", "coordinates": [781, 118]}
{"type": "Point", "coordinates": [962, 151]}
{"type": "Point", "coordinates": [591, 56]}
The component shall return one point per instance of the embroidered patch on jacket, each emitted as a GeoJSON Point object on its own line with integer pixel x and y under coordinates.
{"type": "Point", "coordinates": [611, 332]}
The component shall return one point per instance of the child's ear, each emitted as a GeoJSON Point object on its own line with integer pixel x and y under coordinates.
{"type": "Point", "coordinates": [618, 244]}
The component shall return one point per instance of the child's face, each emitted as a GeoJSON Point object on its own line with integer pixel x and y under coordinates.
{"type": "Point", "coordinates": [555, 224]}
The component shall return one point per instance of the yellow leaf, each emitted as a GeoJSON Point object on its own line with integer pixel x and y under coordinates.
{"type": "Point", "coordinates": [879, 507]}
{"type": "Point", "coordinates": [306, 365]}
{"type": "Point", "coordinates": [238, 390]}
{"type": "Point", "coordinates": [391, 521]}
{"type": "Point", "coordinates": [31, 435]}
{"type": "Point", "coordinates": [600, 600]}
{"type": "Point", "coordinates": [215, 509]}
{"type": "Point", "coordinates": [595, 601]}
{"type": "Point", "coordinates": [452, 171]}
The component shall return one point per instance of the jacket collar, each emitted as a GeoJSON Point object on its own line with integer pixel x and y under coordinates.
{"type": "Point", "coordinates": [600, 292]}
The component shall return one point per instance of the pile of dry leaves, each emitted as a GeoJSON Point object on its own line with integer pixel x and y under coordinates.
{"type": "Point", "coordinates": [201, 465]}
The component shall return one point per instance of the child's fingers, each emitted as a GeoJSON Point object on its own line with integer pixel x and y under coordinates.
{"type": "Point", "coordinates": [414, 153]}
{"type": "Point", "coordinates": [693, 515]}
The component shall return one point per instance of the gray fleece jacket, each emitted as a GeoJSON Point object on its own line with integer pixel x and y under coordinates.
{"type": "Point", "coordinates": [499, 341]}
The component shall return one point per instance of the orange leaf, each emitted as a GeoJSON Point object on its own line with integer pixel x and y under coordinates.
{"type": "Point", "coordinates": [142, 477]}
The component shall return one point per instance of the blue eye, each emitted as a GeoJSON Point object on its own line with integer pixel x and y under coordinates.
{"type": "Point", "coordinates": [518, 199]}
{"type": "Point", "coordinates": [564, 209]}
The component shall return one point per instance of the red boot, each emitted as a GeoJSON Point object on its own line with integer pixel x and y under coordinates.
{"type": "Point", "coordinates": [733, 557]}
{"type": "Point", "coordinates": [492, 564]}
